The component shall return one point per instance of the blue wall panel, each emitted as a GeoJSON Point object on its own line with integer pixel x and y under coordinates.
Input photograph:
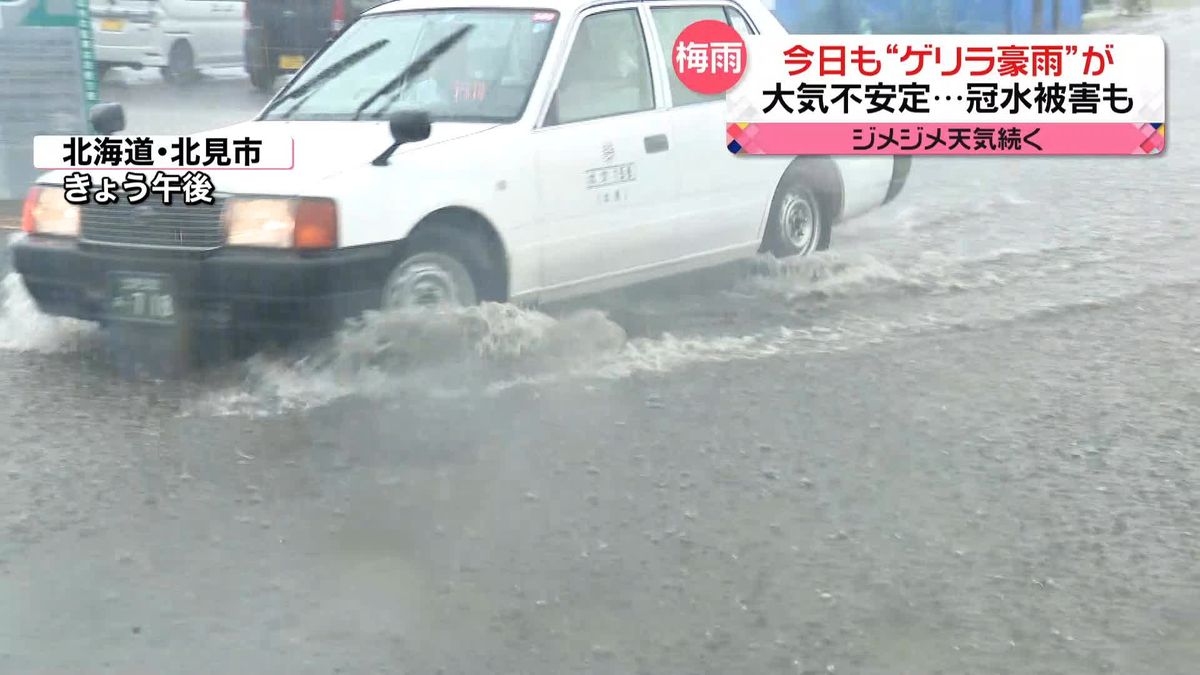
{"type": "Point", "coordinates": [931, 16]}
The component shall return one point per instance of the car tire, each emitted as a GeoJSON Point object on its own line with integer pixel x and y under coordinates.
{"type": "Point", "coordinates": [181, 64]}
{"type": "Point", "coordinates": [263, 78]}
{"type": "Point", "coordinates": [798, 224]}
{"type": "Point", "coordinates": [439, 268]}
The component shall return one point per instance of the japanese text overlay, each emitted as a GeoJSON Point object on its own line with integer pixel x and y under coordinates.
{"type": "Point", "coordinates": [106, 170]}
{"type": "Point", "coordinates": [950, 95]}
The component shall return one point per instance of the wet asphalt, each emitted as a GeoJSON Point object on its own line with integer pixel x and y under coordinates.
{"type": "Point", "coordinates": [962, 441]}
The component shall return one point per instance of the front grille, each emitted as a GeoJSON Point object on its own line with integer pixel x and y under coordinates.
{"type": "Point", "coordinates": [153, 225]}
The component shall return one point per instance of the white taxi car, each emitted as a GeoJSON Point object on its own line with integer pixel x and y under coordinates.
{"type": "Point", "coordinates": [452, 152]}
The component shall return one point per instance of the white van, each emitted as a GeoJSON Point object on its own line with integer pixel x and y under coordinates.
{"type": "Point", "coordinates": [175, 36]}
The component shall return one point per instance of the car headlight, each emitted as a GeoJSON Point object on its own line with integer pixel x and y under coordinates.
{"type": "Point", "coordinates": [269, 222]}
{"type": "Point", "coordinates": [47, 211]}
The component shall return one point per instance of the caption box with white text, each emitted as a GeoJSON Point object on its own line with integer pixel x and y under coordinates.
{"type": "Point", "coordinates": [131, 169]}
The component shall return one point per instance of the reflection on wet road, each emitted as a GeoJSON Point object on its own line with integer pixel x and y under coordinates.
{"type": "Point", "coordinates": [962, 441]}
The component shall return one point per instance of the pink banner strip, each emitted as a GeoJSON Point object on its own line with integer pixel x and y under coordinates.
{"type": "Point", "coordinates": [1071, 138]}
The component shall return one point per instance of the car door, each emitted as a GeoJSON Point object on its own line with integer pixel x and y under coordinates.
{"type": "Point", "coordinates": [202, 21]}
{"type": "Point", "coordinates": [726, 195]}
{"type": "Point", "coordinates": [603, 151]}
{"type": "Point", "coordinates": [230, 18]}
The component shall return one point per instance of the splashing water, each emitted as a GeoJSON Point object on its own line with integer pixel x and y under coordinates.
{"type": "Point", "coordinates": [435, 351]}
{"type": "Point", "coordinates": [24, 328]}
{"type": "Point", "coordinates": [839, 275]}
{"type": "Point", "coordinates": [495, 347]}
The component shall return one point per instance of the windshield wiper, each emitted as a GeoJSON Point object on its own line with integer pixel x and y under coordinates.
{"type": "Point", "coordinates": [396, 85]}
{"type": "Point", "coordinates": [324, 76]}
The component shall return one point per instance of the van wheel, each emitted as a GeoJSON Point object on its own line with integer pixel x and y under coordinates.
{"type": "Point", "coordinates": [798, 224]}
{"type": "Point", "coordinates": [440, 269]}
{"type": "Point", "coordinates": [263, 78]}
{"type": "Point", "coordinates": [181, 64]}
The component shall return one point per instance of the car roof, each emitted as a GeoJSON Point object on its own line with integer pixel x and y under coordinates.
{"type": "Point", "coordinates": [561, 6]}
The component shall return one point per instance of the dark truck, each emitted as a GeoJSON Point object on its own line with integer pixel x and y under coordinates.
{"type": "Point", "coordinates": [281, 35]}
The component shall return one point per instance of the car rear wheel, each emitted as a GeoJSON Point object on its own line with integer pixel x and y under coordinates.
{"type": "Point", "coordinates": [181, 64]}
{"type": "Point", "coordinates": [439, 270]}
{"type": "Point", "coordinates": [798, 225]}
{"type": "Point", "coordinates": [263, 78]}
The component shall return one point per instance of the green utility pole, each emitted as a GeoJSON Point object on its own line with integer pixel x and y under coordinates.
{"type": "Point", "coordinates": [48, 80]}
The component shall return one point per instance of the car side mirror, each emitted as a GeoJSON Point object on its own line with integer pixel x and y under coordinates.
{"type": "Point", "coordinates": [407, 126]}
{"type": "Point", "coordinates": [107, 118]}
{"type": "Point", "coordinates": [410, 126]}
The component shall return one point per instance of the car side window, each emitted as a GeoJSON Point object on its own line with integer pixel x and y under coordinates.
{"type": "Point", "coordinates": [670, 22]}
{"type": "Point", "coordinates": [738, 22]}
{"type": "Point", "coordinates": [607, 72]}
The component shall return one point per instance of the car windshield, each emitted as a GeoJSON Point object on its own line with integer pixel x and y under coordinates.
{"type": "Point", "coordinates": [487, 76]}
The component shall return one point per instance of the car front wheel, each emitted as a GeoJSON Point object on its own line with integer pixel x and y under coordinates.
{"type": "Point", "coordinates": [798, 224]}
{"type": "Point", "coordinates": [436, 272]}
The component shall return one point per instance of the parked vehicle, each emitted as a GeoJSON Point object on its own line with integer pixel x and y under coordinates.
{"type": "Point", "coordinates": [281, 35]}
{"type": "Point", "coordinates": [356, 8]}
{"type": "Point", "coordinates": [452, 154]}
{"type": "Point", "coordinates": [175, 36]}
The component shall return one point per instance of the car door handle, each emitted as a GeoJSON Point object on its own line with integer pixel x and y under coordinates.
{"type": "Point", "coordinates": [657, 143]}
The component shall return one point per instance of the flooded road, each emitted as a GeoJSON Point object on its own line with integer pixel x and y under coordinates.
{"type": "Point", "coordinates": [964, 440]}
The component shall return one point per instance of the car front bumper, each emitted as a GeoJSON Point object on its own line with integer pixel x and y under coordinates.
{"type": "Point", "coordinates": [270, 292]}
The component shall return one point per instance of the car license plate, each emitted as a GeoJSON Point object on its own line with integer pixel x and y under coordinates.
{"type": "Point", "coordinates": [112, 25]}
{"type": "Point", "coordinates": [291, 62]}
{"type": "Point", "coordinates": [141, 297]}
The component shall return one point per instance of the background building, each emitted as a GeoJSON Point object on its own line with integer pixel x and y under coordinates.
{"type": "Point", "coordinates": [930, 16]}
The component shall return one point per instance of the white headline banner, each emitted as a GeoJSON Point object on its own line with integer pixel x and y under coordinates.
{"type": "Point", "coordinates": [951, 79]}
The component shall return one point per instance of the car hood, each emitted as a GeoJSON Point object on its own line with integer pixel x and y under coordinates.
{"type": "Point", "coordinates": [322, 150]}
